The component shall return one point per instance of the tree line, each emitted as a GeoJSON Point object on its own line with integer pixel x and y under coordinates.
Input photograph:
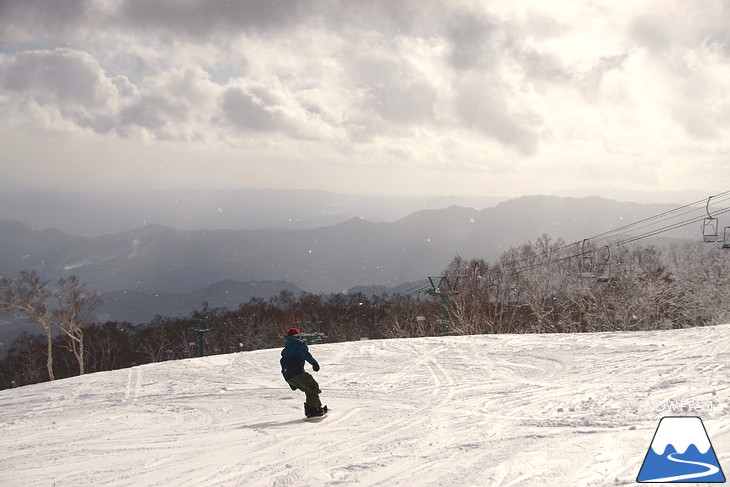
{"type": "Point", "coordinates": [544, 286]}
{"type": "Point", "coordinates": [550, 287]}
{"type": "Point", "coordinates": [254, 325]}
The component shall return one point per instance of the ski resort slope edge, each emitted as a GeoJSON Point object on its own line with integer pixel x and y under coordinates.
{"type": "Point", "coordinates": [496, 410]}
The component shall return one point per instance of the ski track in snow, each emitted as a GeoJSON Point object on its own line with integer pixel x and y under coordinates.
{"type": "Point", "coordinates": [496, 410]}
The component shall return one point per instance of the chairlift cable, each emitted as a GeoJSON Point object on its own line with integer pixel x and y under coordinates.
{"type": "Point", "coordinates": [625, 227]}
{"type": "Point", "coordinates": [658, 231]}
{"type": "Point", "coordinates": [662, 220]}
{"type": "Point", "coordinates": [658, 218]}
{"type": "Point", "coordinates": [595, 239]}
{"type": "Point", "coordinates": [665, 229]}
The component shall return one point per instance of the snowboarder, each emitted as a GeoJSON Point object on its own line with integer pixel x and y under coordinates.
{"type": "Point", "coordinates": [293, 356]}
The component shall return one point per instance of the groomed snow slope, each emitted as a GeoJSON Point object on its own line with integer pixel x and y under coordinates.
{"type": "Point", "coordinates": [494, 410]}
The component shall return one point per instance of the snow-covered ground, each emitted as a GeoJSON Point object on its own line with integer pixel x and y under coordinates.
{"type": "Point", "coordinates": [494, 410]}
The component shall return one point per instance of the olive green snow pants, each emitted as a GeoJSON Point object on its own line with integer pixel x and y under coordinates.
{"type": "Point", "coordinates": [306, 383]}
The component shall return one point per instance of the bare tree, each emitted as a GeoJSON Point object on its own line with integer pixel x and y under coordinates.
{"type": "Point", "coordinates": [164, 339]}
{"type": "Point", "coordinates": [26, 299]}
{"type": "Point", "coordinates": [702, 284]}
{"type": "Point", "coordinates": [540, 281]}
{"type": "Point", "coordinates": [472, 307]}
{"type": "Point", "coordinates": [24, 362]}
{"type": "Point", "coordinates": [108, 346]}
{"type": "Point", "coordinates": [75, 309]}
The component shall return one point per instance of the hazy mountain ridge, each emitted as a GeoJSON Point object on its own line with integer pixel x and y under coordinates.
{"type": "Point", "coordinates": [334, 258]}
{"type": "Point", "coordinates": [94, 213]}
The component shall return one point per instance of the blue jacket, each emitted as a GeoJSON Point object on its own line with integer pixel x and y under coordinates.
{"type": "Point", "coordinates": [293, 356]}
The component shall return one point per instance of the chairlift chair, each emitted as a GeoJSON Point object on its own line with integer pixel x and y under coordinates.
{"type": "Point", "coordinates": [587, 274]}
{"type": "Point", "coordinates": [586, 265]}
{"type": "Point", "coordinates": [605, 271]}
{"type": "Point", "coordinates": [709, 225]}
{"type": "Point", "coordinates": [709, 230]}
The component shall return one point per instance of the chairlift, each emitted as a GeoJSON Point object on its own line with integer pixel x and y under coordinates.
{"type": "Point", "coordinates": [710, 226]}
{"type": "Point", "coordinates": [586, 264]}
{"type": "Point", "coordinates": [589, 269]}
{"type": "Point", "coordinates": [726, 238]}
{"type": "Point", "coordinates": [604, 274]}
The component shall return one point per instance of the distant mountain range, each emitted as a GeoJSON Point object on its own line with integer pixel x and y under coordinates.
{"type": "Point", "coordinates": [158, 259]}
{"type": "Point", "coordinates": [155, 269]}
{"type": "Point", "coordinates": [94, 213]}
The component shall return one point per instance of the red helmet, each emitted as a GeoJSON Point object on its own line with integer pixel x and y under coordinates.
{"type": "Point", "coordinates": [293, 332]}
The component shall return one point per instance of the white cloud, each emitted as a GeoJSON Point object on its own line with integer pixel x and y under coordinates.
{"type": "Point", "coordinates": [62, 81]}
{"type": "Point", "coordinates": [569, 94]}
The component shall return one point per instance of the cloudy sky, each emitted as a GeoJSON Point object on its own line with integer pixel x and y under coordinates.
{"type": "Point", "coordinates": [392, 96]}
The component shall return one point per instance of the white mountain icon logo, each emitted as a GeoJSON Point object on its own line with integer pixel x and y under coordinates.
{"type": "Point", "coordinates": [681, 452]}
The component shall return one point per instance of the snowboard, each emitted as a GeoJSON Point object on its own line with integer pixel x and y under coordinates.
{"type": "Point", "coordinates": [317, 419]}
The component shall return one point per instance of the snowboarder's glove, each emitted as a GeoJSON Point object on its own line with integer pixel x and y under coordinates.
{"type": "Point", "coordinates": [316, 366]}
